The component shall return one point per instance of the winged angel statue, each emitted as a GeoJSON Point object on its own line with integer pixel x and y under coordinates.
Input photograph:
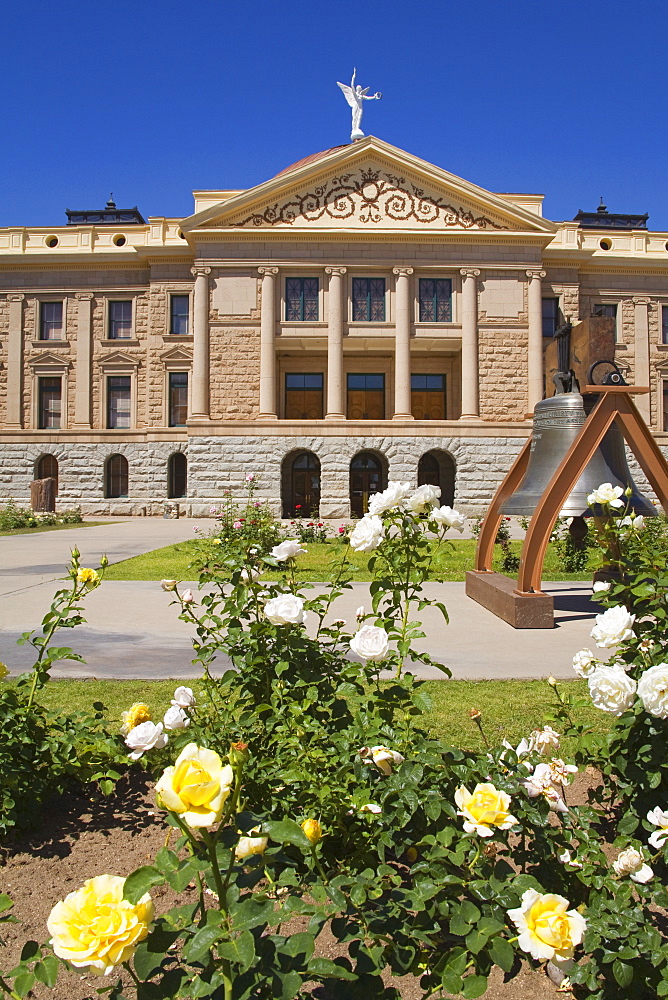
{"type": "Point", "coordinates": [354, 95]}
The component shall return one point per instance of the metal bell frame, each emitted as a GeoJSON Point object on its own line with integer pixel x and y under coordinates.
{"type": "Point", "coordinates": [614, 405]}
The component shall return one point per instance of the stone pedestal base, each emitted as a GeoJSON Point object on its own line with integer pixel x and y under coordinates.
{"type": "Point", "coordinates": [498, 594]}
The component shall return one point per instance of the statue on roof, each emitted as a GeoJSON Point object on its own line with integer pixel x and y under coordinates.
{"type": "Point", "coordinates": [354, 95]}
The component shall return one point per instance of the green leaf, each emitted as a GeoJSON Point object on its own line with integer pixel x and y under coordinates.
{"type": "Point", "coordinates": [201, 942]}
{"type": "Point", "coordinates": [622, 972]}
{"type": "Point", "coordinates": [6, 902]}
{"type": "Point", "coordinates": [291, 983]}
{"type": "Point", "coordinates": [299, 944]}
{"type": "Point", "coordinates": [473, 986]}
{"type": "Point", "coordinates": [324, 968]}
{"type": "Point", "coordinates": [47, 970]}
{"type": "Point", "coordinates": [286, 831]}
{"type": "Point", "coordinates": [140, 881]}
{"type": "Point", "coordinates": [240, 950]}
{"type": "Point", "coordinates": [502, 954]}
{"type": "Point", "coordinates": [29, 951]}
{"type": "Point", "coordinates": [24, 983]}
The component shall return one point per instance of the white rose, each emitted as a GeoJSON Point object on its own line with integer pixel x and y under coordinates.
{"type": "Point", "coordinates": [168, 585]}
{"type": "Point", "coordinates": [187, 597]}
{"type": "Point", "coordinates": [424, 496]}
{"type": "Point", "coordinates": [658, 817]}
{"type": "Point", "coordinates": [584, 662]}
{"type": "Point", "coordinates": [384, 758]}
{"type": "Point", "coordinates": [371, 807]}
{"type": "Point", "coordinates": [447, 517]}
{"type": "Point", "coordinates": [287, 550]}
{"type": "Point", "coordinates": [566, 859]}
{"type": "Point", "coordinates": [286, 609]}
{"type": "Point", "coordinates": [611, 689]}
{"type": "Point", "coordinates": [653, 690]}
{"type": "Point", "coordinates": [389, 499]}
{"type": "Point", "coordinates": [613, 626]}
{"type": "Point", "coordinates": [183, 698]}
{"type": "Point", "coordinates": [247, 846]}
{"type": "Point", "coordinates": [543, 738]}
{"type": "Point", "coordinates": [249, 575]}
{"type": "Point", "coordinates": [601, 587]}
{"type": "Point", "coordinates": [146, 736]}
{"type": "Point", "coordinates": [606, 493]}
{"type": "Point", "coordinates": [367, 534]}
{"type": "Point", "coordinates": [175, 718]}
{"type": "Point", "coordinates": [631, 862]}
{"type": "Point", "coordinates": [543, 782]}
{"type": "Point", "coordinates": [636, 522]}
{"type": "Point", "coordinates": [370, 643]}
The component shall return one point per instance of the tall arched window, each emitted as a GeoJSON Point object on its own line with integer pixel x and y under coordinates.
{"type": "Point", "coordinates": [301, 484]}
{"type": "Point", "coordinates": [438, 468]}
{"type": "Point", "coordinates": [177, 475]}
{"type": "Point", "coordinates": [116, 476]}
{"type": "Point", "coordinates": [46, 467]}
{"type": "Point", "coordinates": [368, 475]}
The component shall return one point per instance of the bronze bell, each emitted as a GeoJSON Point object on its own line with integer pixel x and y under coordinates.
{"type": "Point", "coordinates": [556, 424]}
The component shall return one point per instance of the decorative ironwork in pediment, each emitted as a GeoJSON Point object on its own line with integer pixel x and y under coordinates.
{"type": "Point", "coordinates": [372, 197]}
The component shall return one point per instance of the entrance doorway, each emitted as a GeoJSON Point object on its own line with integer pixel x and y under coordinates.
{"type": "Point", "coordinates": [301, 486]}
{"type": "Point", "coordinates": [47, 468]}
{"type": "Point", "coordinates": [367, 476]}
{"type": "Point", "coordinates": [177, 475]}
{"type": "Point", "coordinates": [438, 469]}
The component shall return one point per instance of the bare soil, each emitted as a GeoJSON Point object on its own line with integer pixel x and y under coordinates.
{"type": "Point", "coordinates": [86, 835]}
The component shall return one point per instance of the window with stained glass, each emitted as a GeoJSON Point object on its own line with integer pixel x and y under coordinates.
{"type": "Point", "coordinates": [301, 300]}
{"type": "Point", "coordinates": [435, 300]}
{"type": "Point", "coordinates": [304, 395]}
{"type": "Point", "coordinates": [368, 300]}
{"type": "Point", "coordinates": [51, 321]}
{"type": "Point", "coordinates": [428, 397]}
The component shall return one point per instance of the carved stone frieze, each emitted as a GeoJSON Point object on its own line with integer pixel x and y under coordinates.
{"type": "Point", "coordinates": [372, 197]}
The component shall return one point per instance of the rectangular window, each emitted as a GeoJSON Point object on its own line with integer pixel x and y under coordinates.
{"type": "Point", "coordinates": [120, 320]}
{"type": "Point", "coordinates": [118, 401]}
{"type": "Point", "coordinates": [435, 300]}
{"type": "Point", "coordinates": [366, 397]}
{"type": "Point", "coordinates": [51, 321]}
{"type": "Point", "coordinates": [301, 300]}
{"type": "Point", "coordinates": [428, 397]}
{"type": "Point", "coordinates": [304, 396]}
{"type": "Point", "coordinates": [178, 399]}
{"type": "Point", "coordinates": [368, 300]}
{"type": "Point", "coordinates": [179, 309]}
{"type": "Point", "coordinates": [50, 402]}
{"type": "Point", "coordinates": [664, 324]}
{"type": "Point", "coordinates": [550, 317]}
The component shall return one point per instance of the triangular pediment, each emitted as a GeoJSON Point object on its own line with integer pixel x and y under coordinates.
{"type": "Point", "coordinates": [177, 354]}
{"type": "Point", "coordinates": [118, 358]}
{"type": "Point", "coordinates": [51, 359]}
{"type": "Point", "coordinates": [368, 186]}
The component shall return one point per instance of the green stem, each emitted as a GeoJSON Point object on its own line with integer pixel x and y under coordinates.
{"type": "Point", "coordinates": [128, 968]}
{"type": "Point", "coordinates": [8, 990]}
{"type": "Point", "coordinates": [48, 635]}
{"type": "Point", "coordinates": [220, 888]}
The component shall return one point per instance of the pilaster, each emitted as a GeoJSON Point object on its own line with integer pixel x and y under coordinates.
{"type": "Point", "coordinates": [336, 313]}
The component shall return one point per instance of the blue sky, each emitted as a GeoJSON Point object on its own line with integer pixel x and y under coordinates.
{"type": "Point", "coordinates": [154, 99]}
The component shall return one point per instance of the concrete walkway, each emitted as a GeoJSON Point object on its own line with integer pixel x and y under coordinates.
{"type": "Point", "coordinates": [133, 632]}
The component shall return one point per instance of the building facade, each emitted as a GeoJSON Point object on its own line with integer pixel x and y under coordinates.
{"type": "Point", "coordinates": [361, 316]}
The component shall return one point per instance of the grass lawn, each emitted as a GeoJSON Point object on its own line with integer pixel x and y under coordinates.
{"type": "Point", "coordinates": [517, 706]}
{"type": "Point", "coordinates": [48, 527]}
{"type": "Point", "coordinates": [174, 563]}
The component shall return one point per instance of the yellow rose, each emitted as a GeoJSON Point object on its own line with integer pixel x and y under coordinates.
{"type": "Point", "coordinates": [88, 576]}
{"type": "Point", "coordinates": [250, 845]}
{"type": "Point", "coordinates": [95, 928]}
{"type": "Point", "coordinates": [4, 670]}
{"type": "Point", "coordinates": [547, 928]}
{"type": "Point", "coordinates": [312, 829]}
{"type": "Point", "coordinates": [196, 787]}
{"type": "Point", "coordinates": [134, 716]}
{"type": "Point", "coordinates": [484, 809]}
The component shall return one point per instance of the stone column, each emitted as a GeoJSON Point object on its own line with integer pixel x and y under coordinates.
{"type": "Point", "coordinates": [642, 373]}
{"type": "Point", "coordinates": [15, 360]}
{"type": "Point", "coordinates": [267, 344]}
{"type": "Point", "coordinates": [535, 380]}
{"type": "Point", "coordinates": [470, 403]}
{"type": "Point", "coordinates": [199, 394]}
{"type": "Point", "coordinates": [82, 399]}
{"type": "Point", "coordinates": [336, 314]}
{"type": "Point", "coordinates": [402, 345]}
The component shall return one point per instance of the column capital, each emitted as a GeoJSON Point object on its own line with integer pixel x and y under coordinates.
{"type": "Point", "coordinates": [15, 297]}
{"type": "Point", "coordinates": [469, 272]}
{"type": "Point", "coordinates": [641, 300]}
{"type": "Point", "coordinates": [402, 272]}
{"type": "Point", "coordinates": [268, 270]}
{"type": "Point", "coordinates": [337, 271]}
{"type": "Point", "coordinates": [84, 296]}
{"type": "Point", "coordinates": [535, 273]}
{"type": "Point", "coordinates": [200, 271]}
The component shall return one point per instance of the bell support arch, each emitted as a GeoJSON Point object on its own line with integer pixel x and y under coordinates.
{"type": "Point", "coordinates": [614, 404]}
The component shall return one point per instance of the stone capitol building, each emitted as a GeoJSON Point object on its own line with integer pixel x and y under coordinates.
{"type": "Point", "coordinates": [363, 316]}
